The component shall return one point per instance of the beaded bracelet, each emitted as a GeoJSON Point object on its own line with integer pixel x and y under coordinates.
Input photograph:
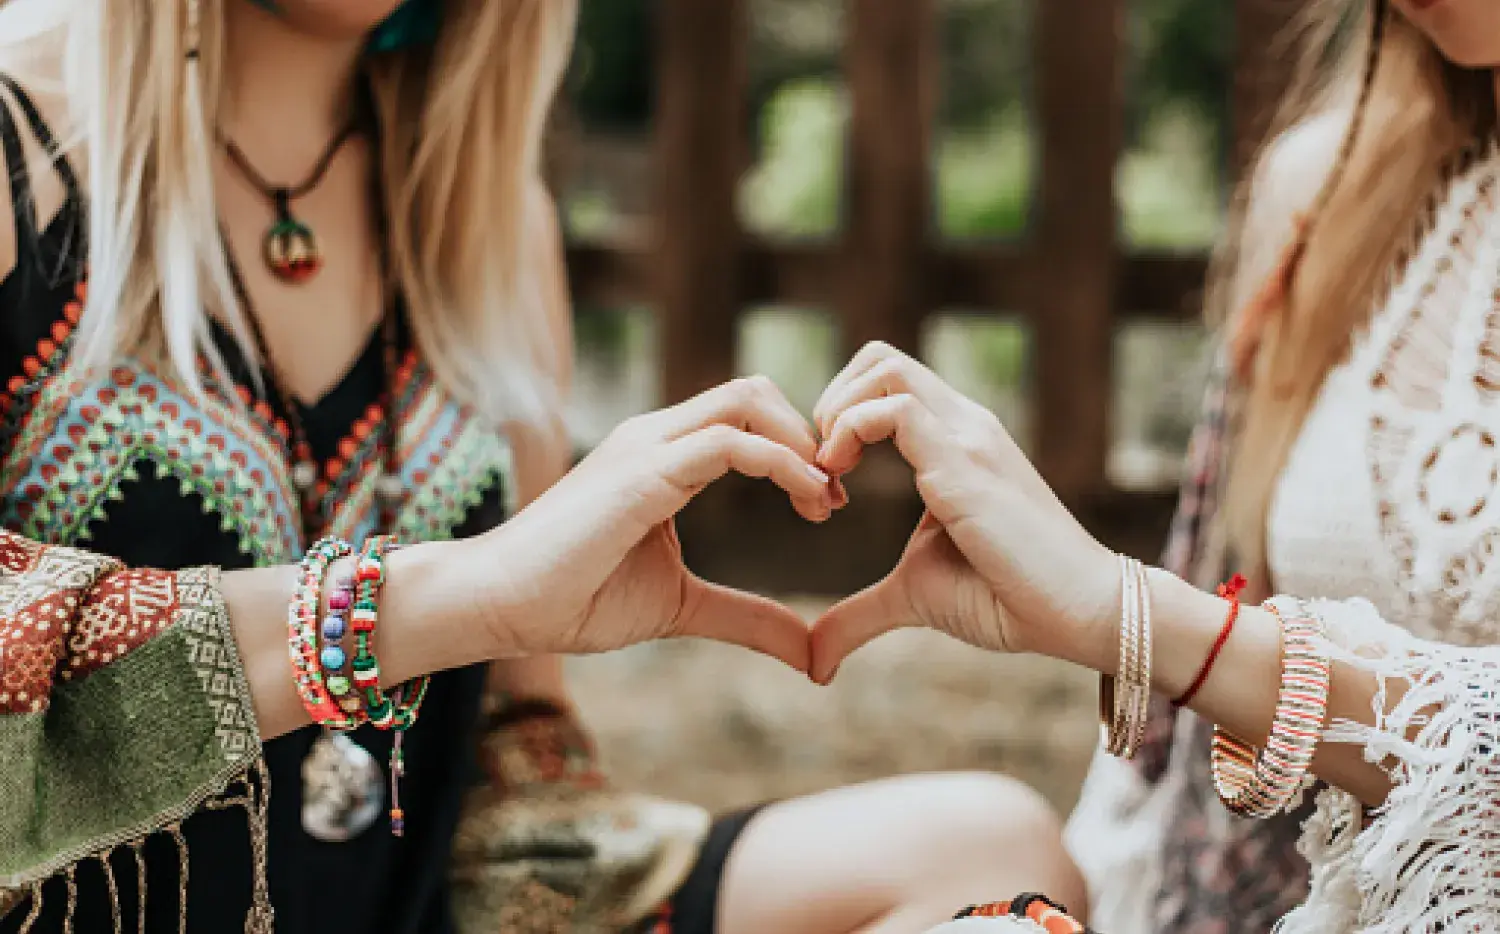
{"type": "Point", "coordinates": [1266, 783]}
{"type": "Point", "coordinates": [1040, 910]}
{"type": "Point", "coordinates": [302, 635]}
{"type": "Point", "coordinates": [399, 711]}
{"type": "Point", "coordinates": [335, 658]}
{"type": "Point", "coordinates": [1125, 698]}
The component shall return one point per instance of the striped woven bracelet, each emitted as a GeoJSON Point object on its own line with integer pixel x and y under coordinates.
{"type": "Point", "coordinates": [398, 712]}
{"type": "Point", "coordinates": [302, 635]}
{"type": "Point", "coordinates": [1261, 784]}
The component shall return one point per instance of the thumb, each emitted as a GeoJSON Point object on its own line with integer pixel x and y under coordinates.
{"type": "Point", "coordinates": [856, 620]}
{"type": "Point", "coordinates": [712, 611]}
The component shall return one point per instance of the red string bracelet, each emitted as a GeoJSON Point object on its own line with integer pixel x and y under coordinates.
{"type": "Point", "coordinates": [1229, 591]}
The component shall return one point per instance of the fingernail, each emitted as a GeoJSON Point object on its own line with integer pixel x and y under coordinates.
{"type": "Point", "coordinates": [817, 474]}
{"type": "Point", "coordinates": [839, 494]}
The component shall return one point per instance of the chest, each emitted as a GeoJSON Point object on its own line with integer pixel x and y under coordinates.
{"type": "Point", "coordinates": [1392, 490]}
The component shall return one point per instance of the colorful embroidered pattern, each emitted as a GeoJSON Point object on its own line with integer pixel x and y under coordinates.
{"type": "Point", "coordinates": [66, 614]}
{"type": "Point", "coordinates": [119, 615]}
{"type": "Point", "coordinates": [87, 774]}
{"type": "Point", "coordinates": [41, 590]}
{"type": "Point", "coordinates": [75, 443]}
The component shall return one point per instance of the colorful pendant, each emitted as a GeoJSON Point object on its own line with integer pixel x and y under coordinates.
{"type": "Point", "coordinates": [290, 247]}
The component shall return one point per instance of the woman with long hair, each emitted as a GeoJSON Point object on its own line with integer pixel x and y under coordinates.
{"type": "Point", "coordinates": [1349, 452]}
{"type": "Point", "coordinates": [282, 295]}
{"type": "Point", "coordinates": [1351, 457]}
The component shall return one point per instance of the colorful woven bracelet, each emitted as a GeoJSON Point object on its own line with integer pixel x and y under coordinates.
{"type": "Point", "coordinates": [1046, 914]}
{"type": "Point", "coordinates": [1265, 783]}
{"type": "Point", "coordinates": [302, 633]}
{"type": "Point", "coordinates": [335, 658]}
{"type": "Point", "coordinates": [399, 711]}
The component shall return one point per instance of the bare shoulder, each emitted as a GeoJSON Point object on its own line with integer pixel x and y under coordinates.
{"type": "Point", "coordinates": [1287, 178]}
{"type": "Point", "coordinates": [38, 75]}
{"type": "Point", "coordinates": [1295, 164]}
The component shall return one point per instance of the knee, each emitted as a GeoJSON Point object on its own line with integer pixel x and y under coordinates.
{"type": "Point", "coordinates": [996, 837]}
{"type": "Point", "coordinates": [985, 809]}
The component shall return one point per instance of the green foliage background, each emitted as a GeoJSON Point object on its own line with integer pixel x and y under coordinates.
{"type": "Point", "coordinates": [1170, 177]}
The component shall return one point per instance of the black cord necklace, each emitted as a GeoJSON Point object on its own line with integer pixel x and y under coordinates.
{"type": "Point", "coordinates": [306, 473]}
{"type": "Point", "coordinates": [290, 248]}
{"type": "Point", "coordinates": [305, 470]}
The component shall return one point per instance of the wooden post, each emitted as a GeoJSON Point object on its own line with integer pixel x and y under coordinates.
{"type": "Point", "coordinates": [699, 158]}
{"type": "Point", "coordinates": [1080, 108]}
{"type": "Point", "coordinates": [891, 68]}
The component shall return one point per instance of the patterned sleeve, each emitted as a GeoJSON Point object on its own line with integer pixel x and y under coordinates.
{"type": "Point", "coordinates": [1425, 860]}
{"type": "Point", "coordinates": [123, 708]}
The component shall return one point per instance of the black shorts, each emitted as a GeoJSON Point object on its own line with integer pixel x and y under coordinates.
{"type": "Point", "coordinates": [694, 908]}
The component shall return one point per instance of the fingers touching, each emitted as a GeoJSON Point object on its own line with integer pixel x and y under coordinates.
{"type": "Point", "coordinates": [853, 622]}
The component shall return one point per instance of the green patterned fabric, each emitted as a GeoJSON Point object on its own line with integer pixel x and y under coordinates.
{"type": "Point", "coordinates": [123, 707]}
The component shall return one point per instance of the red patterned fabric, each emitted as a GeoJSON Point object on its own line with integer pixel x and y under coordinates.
{"type": "Point", "coordinates": [66, 613]}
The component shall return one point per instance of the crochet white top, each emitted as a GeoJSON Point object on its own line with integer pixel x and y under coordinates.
{"type": "Point", "coordinates": [1388, 507]}
{"type": "Point", "coordinates": [1392, 491]}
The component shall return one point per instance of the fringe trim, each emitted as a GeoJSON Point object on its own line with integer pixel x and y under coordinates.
{"type": "Point", "coordinates": [250, 790]}
{"type": "Point", "coordinates": [1424, 860]}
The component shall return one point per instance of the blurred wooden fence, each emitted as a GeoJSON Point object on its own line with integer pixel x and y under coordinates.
{"type": "Point", "coordinates": [1071, 279]}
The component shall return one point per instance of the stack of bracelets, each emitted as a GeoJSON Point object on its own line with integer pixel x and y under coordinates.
{"type": "Point", "coordinates": [1251, 782]}
{"type": "Point", "coordinates": [1125, 698]}
{"type": "Point", "coordinates": [341, 690]}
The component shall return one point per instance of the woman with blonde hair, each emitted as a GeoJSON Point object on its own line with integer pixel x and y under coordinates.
{"type": "Point", "coordinates": [285, 340]}
{"type": "Point", "coordinates": [1350, 452]}
{"type": "Point", "coordinates": [1349, 455]}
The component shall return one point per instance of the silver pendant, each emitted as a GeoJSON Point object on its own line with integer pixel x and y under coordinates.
{"type": "Point", "coordinates": [343, 789]}
{"type": "Point", "coordinates": [304, 476]}
{"type": "Point", "coordinates": [390, 490]}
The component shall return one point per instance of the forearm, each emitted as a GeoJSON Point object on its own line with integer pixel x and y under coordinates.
{"type": "Point", "coordinates": [1240, 695]}
{"type": "Point", "coordinates": [541, 458]}
{"type": "Point", "coordinates": [431, 619]}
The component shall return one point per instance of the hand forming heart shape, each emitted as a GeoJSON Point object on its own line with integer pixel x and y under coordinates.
{"type": "Point", "coordinates": [594, 564]}
{"type": "Point", "coordinates": [996, 561]}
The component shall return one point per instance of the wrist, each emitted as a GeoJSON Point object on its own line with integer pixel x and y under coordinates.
{"type": "Point", "coordinates": [435, 603]}
{"type": "Point", "coordinates": [1187, 622]}
{"type": "Point", "coordinates": [1090, 636]}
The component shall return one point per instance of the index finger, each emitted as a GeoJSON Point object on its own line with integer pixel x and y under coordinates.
{"type": "Point", "coordinates": [754, 404]}
{"type": "Point", "coordinates": [865, 358]}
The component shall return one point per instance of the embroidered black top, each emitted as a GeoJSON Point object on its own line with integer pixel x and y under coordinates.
{"type": "Point", "coordinates": [131, 465]}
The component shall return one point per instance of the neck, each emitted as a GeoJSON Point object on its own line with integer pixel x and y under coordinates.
{"type": "Point", "coordinates": [282, 83]}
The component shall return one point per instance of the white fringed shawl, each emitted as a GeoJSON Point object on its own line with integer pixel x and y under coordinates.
{"type": "Point", "coordinates": [1428, 859]}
